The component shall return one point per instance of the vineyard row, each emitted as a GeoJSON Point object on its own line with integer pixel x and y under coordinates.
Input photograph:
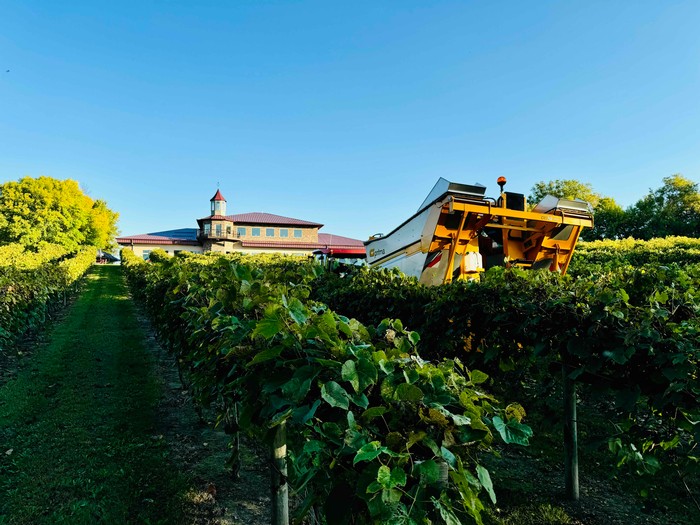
{"type": "Point", "coordinates": [371, 431]}
{"type": "Point", "coordinates": [33, 283]}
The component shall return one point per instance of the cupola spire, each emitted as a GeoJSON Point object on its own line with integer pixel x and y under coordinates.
{"type": "Point", "coordinates": [218, 204]}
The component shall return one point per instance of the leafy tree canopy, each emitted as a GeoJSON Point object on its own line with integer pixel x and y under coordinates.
{"type": "Point", "coordinates": [608, 221]}
{"type": "Point", "coordinates": [38, 210]}
{"type": "Point", "coordinates": [568, 189]}
{"type": "Point", "coordinates": [672, 209]}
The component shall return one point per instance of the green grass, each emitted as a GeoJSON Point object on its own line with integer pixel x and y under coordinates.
{"type": "Point", "coordinates": [78, 439]}
{"type": "Point", "coordinates": [530, 514]}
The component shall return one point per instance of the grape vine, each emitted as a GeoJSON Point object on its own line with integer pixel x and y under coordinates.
{"type": "Point", "coordinates": [376, 433]}
{"type": "Point", "coordinates": [625, 324]}
{"type": "Point", "coordinates": [32, 283]}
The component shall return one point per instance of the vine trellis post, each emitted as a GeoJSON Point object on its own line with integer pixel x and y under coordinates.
{"type": "Point", "coordinates": [280, 489]}
{"type": "Point", "coordinates": [570, 437]}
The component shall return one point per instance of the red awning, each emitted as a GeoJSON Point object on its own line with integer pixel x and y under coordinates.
{"type": "Point", "coordinates": [343, 252]}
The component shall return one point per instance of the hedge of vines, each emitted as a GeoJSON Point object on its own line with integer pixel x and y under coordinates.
{"type": "Point", "coordinates": [631, 330]}
{"type": "Point", "coordinates": [376, 434]}
{"type": "Point", "coordinates": [592, 257]}
{"type": "Point", "coordinates": [32, 283]}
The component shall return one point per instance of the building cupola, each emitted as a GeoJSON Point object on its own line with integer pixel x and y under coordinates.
{"type": "Point", "coordinates": [218, 204]}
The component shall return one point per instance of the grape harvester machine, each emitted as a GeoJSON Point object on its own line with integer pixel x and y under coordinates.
{"type": "Point", "coordinates": [458, 232]}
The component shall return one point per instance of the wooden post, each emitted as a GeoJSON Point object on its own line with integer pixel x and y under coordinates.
{"type": "Point", "coordinates": [280, 490]}
{"type": "Point", "coordinates": [444, 479]}
{"type": "Point", "coordinates": [570, 438]}
{"type": "Point", "coordinates": [236, 443]}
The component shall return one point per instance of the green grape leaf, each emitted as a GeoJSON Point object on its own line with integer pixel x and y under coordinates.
{"type": "Point", "coordinates": [485, 480]}
{"type": "Point", "coordinates": [368, 452]}
{"type": "Point", "coordinates": [391, 497]}
{"type": "Point", "coordinates": [446, 513]}
{"type": "Point", "coordinates": [304, 413]}
{"type": "Point", "coordinates": [335, 395]}
{"type": "Point", "coordinates": [373, 412]}
{"type": "Point", "coordinates": [429, 472]}
{"type": "Point", "coordinates": [297, 311]}
{"type": "Point", "coordinates": [349, 373]}
{"type": "Point", "coordinates": [384, 477]}
{"type": "Point", "coordinates": [268, 327]}
{"type": "Point", "coordinates": [448, 456]}
{"type": "Point", "coordinates": [512, 431]}
{"type": "Point", "coordinates": [461, 420]}
{"type": "Point", "coordinates": [408, 392]}
{"type": "Point", "coordinates": [266, 355]}
{"type": "Point", "coordinates": [398, 477]}
{"type": "Point", "coordinates": [360, 400]}
{"type": "Point", "coordinates": [477, 377]}
{"type": "Point", "coordinates": [367, 372]}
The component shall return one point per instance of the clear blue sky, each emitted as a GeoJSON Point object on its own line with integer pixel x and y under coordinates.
{"type": "Point", "coordinates": [344, 113]}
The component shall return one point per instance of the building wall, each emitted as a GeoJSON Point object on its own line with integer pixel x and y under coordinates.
{"type": "Point", "coordinates": [307, 234]}
{"type": "Point", "coordinates": [139, 249]}
{"type": "Point", "coordinates": [218, 207]}
{"type": "Point", "coordinates": [283, 251]}
{"type": "Point", "coordinates": [209, 228]}
{"type": "Point", "coordinates": [219, 246]}
{"type": "Point", "coordinates": [223, 224]}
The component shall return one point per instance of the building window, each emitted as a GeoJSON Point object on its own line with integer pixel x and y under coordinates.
{"type": "Point", "coordinates": [255, 232]}
{"type": "Point", "coordinates": [269, 232]}
{"type": "Point", "coordinates": [218, 230]}
{"type": "Point", "coordinates": [146, 255]}
{"type": "Point", "coordinates": [241, 231]}
{"type": "Point", "coordinates": [284, 232]}
{"type": "Point", "coordinates": [228, 230]}
{"type": "Point", "coordinates": [207, 228]}
{"type": "Point", "coordinates": [297, 234]}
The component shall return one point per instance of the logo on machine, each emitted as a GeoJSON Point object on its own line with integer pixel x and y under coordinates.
{"type": "Point", "coordinates": [374, 253]}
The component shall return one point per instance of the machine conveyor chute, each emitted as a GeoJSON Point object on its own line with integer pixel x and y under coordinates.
{"type": "Point", "coordinates": [458, 232]}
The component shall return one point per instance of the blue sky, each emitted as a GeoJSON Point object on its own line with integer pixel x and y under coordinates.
{"type": "Point", "coordinates": [344, 113]}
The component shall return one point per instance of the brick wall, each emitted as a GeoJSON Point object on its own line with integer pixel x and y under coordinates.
{"type": "Point", "coordinates": [307, 234]}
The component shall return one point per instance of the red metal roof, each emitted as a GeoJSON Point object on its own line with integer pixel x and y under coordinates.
{"type": "Point", "coordinates": [339, 241]}
{"type": "Point", "coordinates": [215, 218]}
{"type": "Point", "coordinates": [153, 239]}
{"type": "Point", "coordinates": [184, 236]}
{"type": "Point", "coordinates": [218, 197]}
{"type": "Point", "coordinates": [257, 217]}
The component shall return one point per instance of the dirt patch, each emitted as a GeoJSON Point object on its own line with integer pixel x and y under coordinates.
{"type": "Point", "coordinates": [520, 478]}
{"type": "Point", "coordinates": [201, 451]}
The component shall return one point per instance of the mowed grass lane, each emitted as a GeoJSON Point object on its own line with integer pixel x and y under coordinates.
{"type": "Point", "coordinates": [78, 426]}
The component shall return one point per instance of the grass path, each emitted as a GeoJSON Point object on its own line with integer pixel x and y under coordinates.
{"type": "Point", "coordinates": [78, 425]}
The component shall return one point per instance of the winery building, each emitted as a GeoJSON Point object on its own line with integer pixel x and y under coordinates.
{"type": "Point", "coordinates": [254, 232]}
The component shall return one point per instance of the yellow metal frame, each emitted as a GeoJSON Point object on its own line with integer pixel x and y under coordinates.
{"type": "Point", "coordinates": [527, 236]}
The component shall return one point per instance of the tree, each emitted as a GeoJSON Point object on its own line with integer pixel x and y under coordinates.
{"type": "Point", "coordinates": [35, 210]}
{"type": "Point", "coordinates": [673, 209]}
{"type": "Point", "coordinates": [564, 189]}
{"type": "Point", "coordinates": [608, 221]}
{"type": "Point", "coordinates": [608, 215]}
